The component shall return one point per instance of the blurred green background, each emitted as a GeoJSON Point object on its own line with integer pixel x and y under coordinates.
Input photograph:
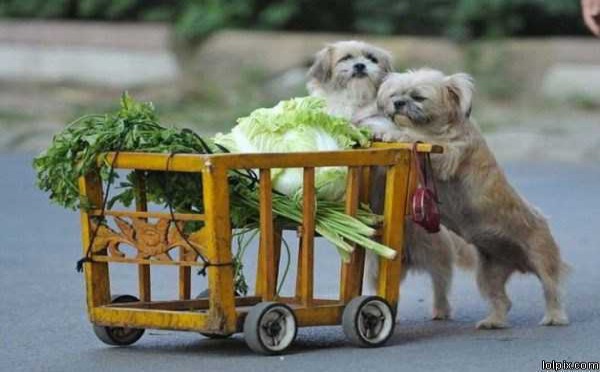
{"type": "Point", "coordinates": [537, 69]}
{"type": "Point", "coordinates": [196, 19]}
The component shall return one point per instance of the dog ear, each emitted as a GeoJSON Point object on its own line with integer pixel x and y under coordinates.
{"type": "Point", "coordinates": [382, 92]}
{"type": "Point", "coordinates": [321, 67]}
{"type": "Point", "coordinates": [385, 59]}
{"type": "Point", "coordinates": [460, 88]}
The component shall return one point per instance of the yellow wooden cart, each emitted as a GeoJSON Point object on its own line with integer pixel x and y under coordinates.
{"type": "Point", "coordinates": [269, 322]}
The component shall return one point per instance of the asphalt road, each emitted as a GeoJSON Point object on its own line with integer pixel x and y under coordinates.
{"type": "Point", "coordinates": [43, 324]}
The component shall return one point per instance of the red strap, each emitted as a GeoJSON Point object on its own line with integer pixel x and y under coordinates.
{"type": "Point", "coordinates": [417, 163]}
{"type": "Point", "coordinates": [424, 170]}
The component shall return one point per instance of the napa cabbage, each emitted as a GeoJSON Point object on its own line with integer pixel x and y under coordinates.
{"type": "Point", "coordinates": [297, 125]}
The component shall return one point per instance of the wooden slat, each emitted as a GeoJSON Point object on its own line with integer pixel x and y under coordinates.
{"type": "Point", "coordinates": [192, 163]}
{"type": "Point", "coordinates": [143, 261]}
{"type": "Point", "coordinates": [140, 214]}
{"type": "Point", "coordinates": [309, 159]}
{"type": "Point", "coordinates": [96, 273]}
{"type": "Point", "coordinates": [198, 163]}
{"type": "Point", "coordinates": [154, 319]}
{"type": "Point", "coordinates": [185, 277]}
{"type": "Point", "coordinates": [141, 205]}
{"type": "Point", "coordinates": [422, 147]}
{"type": "Point", "coordinates": [322, 315]}
{"type": "Point", "coordinates": [365, 184]}
{"type": "Point", "coordinates": [378, 154]}
{"type": "Point", "coordinates": [293, 301]}
{"type": "Point", "coordinates": [393, 231]}
{"type": "Point", "coordinates": [352, 272]}
{"type": "Point", "coordinates": [277, 240]}
{"type": "Point", "coordinates": [299, 265]}
{"type": "Point", "coordinates": [220, 278]}
{"type": "Point", "coordinates": [305, 275]}
{"type": "Point", "coordinates": [266, 280]}
{"type": "Point", "coordinates": [183, 305]}
{"type": "Point", "coordinates": [319, 316]}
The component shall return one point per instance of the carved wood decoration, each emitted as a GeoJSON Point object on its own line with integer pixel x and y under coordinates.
{"type": "Point", "coordinates": [150, 240]}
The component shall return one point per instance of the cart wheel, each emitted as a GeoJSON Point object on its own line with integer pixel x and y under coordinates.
{"type": "Point", "coordinates": [368, 321]}
{"type": "Point", "coordinates": [205, 294]}
{"type": "Point", "coordinates": [119, 336]}
{"type": "Point", "coordinates": [270, 328]}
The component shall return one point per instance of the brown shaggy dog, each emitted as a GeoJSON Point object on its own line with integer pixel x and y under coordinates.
{"type": "Point", "coordinates": [477, 202]}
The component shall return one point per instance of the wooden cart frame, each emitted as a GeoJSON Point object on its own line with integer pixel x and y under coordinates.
{"type": "Point", "coordinates": [222, 313]}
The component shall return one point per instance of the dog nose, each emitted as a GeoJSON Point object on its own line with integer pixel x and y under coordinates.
{"type": "Point", "coordinates": [360, 67]}
{"type": "Point", "coordinates": [399, 104]}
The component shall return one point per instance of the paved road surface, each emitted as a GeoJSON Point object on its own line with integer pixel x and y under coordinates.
{"type": "Point", "coordinates": [43, 325]}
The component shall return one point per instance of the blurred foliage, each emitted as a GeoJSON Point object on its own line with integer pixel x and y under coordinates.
{"type": "Point", "coordinates": [489, 67]}
{"type": "Point", "coordinates": [195, 19]}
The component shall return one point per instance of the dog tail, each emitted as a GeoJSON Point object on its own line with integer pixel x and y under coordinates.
{"type": "Point", "coordinates": [465, 254]}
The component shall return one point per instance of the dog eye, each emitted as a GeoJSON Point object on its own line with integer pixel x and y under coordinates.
{"type": "Point", "coordinates": [372, 58]}
{"type": "Point", "coordinates": [418, 98]}
{"type": "Point", "coordinates": [345, 58]}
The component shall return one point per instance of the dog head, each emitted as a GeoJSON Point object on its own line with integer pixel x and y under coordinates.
{"type": "Point", "coordinates": [425, 99]}
{"type": "Point", "coordinates": [349, 65]}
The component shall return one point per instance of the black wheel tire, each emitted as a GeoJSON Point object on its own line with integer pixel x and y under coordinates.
{"type": "Point", "coordinates": [205, 294]}
{"type": "Point", "coordinates": [368, 321]}
{"type": "Point", "coordinates": [270, 328]}
{"type": "Point", "coordinates": [119, 336]}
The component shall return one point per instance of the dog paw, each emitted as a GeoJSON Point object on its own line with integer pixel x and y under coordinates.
{"type": "Point", "coordinates": [491, 323]}
{"type": "Point", "coordinates": [386, 137]}
{"type": "Point", "coordinates": [391, 137]}
{"type": "Point", "coordinates": [441, 314]}
{"type": "Point", "coordinates": [379, 136]}
{"type": "Point", "coordinates": [558, 318]}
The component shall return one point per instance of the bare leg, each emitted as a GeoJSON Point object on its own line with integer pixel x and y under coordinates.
{"type": "Point", "coordinates": [491, 279]}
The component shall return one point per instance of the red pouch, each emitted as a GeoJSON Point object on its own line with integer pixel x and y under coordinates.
{"type": "Point", "coordinates": [425, 202]}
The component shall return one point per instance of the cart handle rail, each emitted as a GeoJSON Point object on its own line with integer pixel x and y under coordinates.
{"type": "Point", "coordinates": [379, 154]}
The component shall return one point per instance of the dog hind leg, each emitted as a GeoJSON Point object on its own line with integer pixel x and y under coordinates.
{"type": "Point", "coordinates": [546, 262]}
{"type": "Point", "coordinates": [491, 279]}
{"type": "Point", "coordinates": [441, 281]}
{"type": "Point", "coordinates": [439, 261]}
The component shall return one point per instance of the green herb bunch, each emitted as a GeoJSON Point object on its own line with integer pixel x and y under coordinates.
{"type": "Point", "coordinates": [74, 153]}
{"type": "Point", "coordinates": [134, 127]}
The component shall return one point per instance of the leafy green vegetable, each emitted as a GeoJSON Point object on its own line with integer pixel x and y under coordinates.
{"type": "Point", "coordinates": [74, 152]}
{"type": "Point", "coordinates": [297, 125]}
{"type": "Point", "coordinates": [135, 127]}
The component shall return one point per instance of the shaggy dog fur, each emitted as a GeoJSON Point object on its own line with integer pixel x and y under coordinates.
{"type": "Point", "coordinates": [477, 202]}
{"type": "Point", "coordinates": [348, 75]}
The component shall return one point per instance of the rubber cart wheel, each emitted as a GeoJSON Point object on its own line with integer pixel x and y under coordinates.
{"type": "Point", "coordinates": [270, 328]}
{"type": "Point", "coordinates": [368, 321]}
{"type": "Point", "coordinates": [215, 336]}
{"type": "Point", "coordinates": [119, 336]}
